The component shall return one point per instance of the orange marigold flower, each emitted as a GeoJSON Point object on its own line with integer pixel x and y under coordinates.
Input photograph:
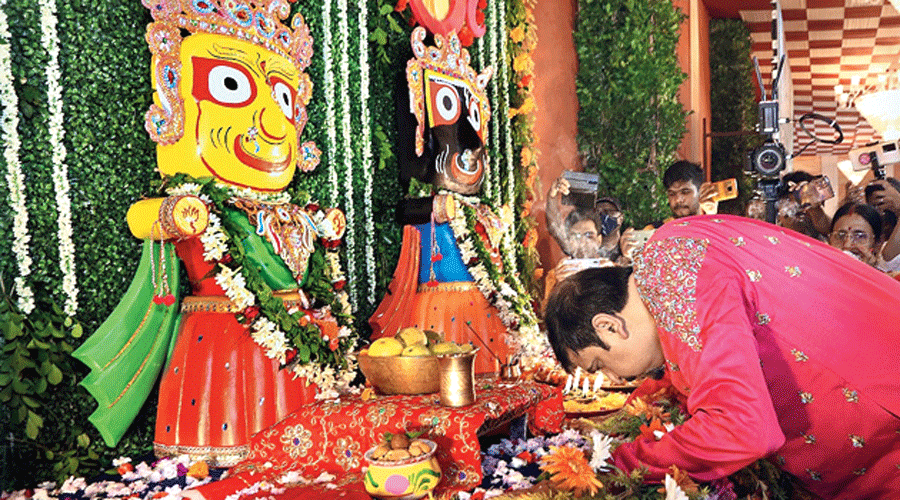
{"type": "Point", "coordinates": [650, 431]}
{"type": "Point", "coordinates": [517, 34]}
{"type": "Point", "coordinates": [198, 470]}
{"type": "Point", "coordinates": [570, 471]}
{"type": "Point", "coordinates": [683, 481]}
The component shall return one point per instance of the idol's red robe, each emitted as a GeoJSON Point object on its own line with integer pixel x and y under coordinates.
{"type": "Point", "coordinates": [783, 348]}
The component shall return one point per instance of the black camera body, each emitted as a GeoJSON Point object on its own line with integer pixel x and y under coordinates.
{"type": "Point", "coordinates": [768, 160]}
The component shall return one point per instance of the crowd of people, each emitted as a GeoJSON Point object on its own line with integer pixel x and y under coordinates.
{"type": "Point", "coordinates": [777, 346]}
{"type": "Point", "coordinates": [865, 225]}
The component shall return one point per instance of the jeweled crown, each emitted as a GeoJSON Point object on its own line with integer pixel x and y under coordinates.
{"type": "Point", "coordinates": [446, 57]}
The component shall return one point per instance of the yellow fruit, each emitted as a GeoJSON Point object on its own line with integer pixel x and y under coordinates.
{"type": "Point", "coordinates": [445, 348]}
{"type": "Point", "coordinates": [467, 347]}
{"type": "Point", "coordinates": [411, 336]}
{"type": "Point", "coordinates": [385, 346]}
{"type": "Point", "coordinates": [416, 350]}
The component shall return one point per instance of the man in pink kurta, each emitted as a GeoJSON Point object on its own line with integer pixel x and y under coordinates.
{"type": "Point", "coordinates": [781, 346]}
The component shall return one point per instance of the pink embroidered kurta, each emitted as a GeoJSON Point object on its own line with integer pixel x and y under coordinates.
{"type": "Point", "coordinates": [783, 348]}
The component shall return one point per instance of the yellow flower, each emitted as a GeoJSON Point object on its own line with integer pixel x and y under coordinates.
{"type": "Point", "coordinates": [517, 34]}
{"type": "Point", "coordinates": [521, 61]}
{"type": "Point", "coordinates": [198, 470]}
{"type": "Point", "coordinates": [570, 471]}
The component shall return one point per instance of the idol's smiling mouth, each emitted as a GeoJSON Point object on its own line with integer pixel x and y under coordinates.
{"type": "Point", "coordinates": [257, 163]}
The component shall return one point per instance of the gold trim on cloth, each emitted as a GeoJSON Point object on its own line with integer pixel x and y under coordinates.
{"type": "Point", "coordinates": [226, 456]}
{"type": "Point", "coordinates": [220, 304]}
{"type": "Point", "coordinates": [451, 286]}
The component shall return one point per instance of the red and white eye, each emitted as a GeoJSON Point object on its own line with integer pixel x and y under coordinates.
{"type": "Point", "coordinates": [284, 95]}
{"type": "Point", "coordinates": [223, 82]}
{"type": "Point", "coordinates": [445, 103]}
{"type": "Point", "coordinates": [474, 115]}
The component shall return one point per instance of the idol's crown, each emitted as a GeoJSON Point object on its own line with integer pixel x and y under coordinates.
{"type": "Point", "coordinates": [259, 22]}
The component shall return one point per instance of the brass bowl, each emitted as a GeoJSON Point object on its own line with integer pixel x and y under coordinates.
{"type": "Point", "coordinates": [402, 374]}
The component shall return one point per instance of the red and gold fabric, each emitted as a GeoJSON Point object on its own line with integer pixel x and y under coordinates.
{"type": "Point", "coordinates": [333, 436]}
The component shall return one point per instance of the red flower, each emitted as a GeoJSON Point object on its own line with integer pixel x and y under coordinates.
{"type": "Point", "coordinates": [466, 37]}
{"type": "Point", "coordinates": [479, 17]}
{"type": "Point", "coordinates": [401, 5]}
{"type": "Point", "coordinates": [290, 355]}
{"type": "Point", "coordinates": [649, 431]}
{"type": "Point", "coordinates": [526, 456]}
{"type": "Point", "coordinates": [251, 312]}
{"type": "Point", "coordinates": [526, 80]}
{"type": "Point", "coordinates": [334, 343]}
{"type": "Point", "coordinates": [125, 468]}
{"type": "Point", "coordinates": [312, 207]}
{"type": "Point", "coordinates": [226, 258]}
{"type": "Point", "coordinates": [482, 4]}
{"type": "Point", "coordinates": [339, 285]}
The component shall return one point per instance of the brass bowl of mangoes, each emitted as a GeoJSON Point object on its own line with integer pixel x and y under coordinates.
{"type": "Point", "coordinates": [407, 363]}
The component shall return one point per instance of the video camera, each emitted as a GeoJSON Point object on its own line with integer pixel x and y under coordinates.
{"type": "Point", "coordinates": [875, 156]}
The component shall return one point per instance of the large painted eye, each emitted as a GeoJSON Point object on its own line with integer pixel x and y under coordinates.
{"type": "Point", "coordinates": [474, 116]}
{"type": "Point", "coordinates": [228, 85]}
{"type": "Point", "coordinates": [284, 96]}
{"type": "Point", "coordinates": [223, 82]}
{"type": "Point", "coordinates": [445, 106]}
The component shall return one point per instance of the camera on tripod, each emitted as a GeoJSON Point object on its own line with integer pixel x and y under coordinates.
{"type": "Point", "coordinates": [768, 160]}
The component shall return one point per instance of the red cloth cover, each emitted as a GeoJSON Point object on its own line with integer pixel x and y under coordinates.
{"type": "Point", "coordinates": [332, 436]}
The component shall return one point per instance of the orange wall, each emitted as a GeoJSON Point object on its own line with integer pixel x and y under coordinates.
{"type": "Point", "coordinates": [556, 66]}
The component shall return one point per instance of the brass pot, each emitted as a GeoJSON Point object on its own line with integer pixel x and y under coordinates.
{"type": "Point", "coordinates": [401, 374]}
{"type": "Point", "coordinates": [457, 378]}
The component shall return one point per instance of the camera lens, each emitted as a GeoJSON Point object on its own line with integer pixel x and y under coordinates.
{"type": "Point", "coordinates": [769, 159]}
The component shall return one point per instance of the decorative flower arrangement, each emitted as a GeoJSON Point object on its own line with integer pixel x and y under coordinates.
{"type": "Point", "coordinates": [15, 180]}
{"type": "Point", "coordinates": [162, 479]}
{"type": "Point", "coordinates": [575, 464]}
{"type": "Point", "coordinates": [366, 147]}
{"type": "Point", "coordinates": [289, 336]}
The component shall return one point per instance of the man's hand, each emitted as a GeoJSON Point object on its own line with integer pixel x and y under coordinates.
{"type": "Point", "coordinates": [560, 187]}
{"type": "Point", "coordinates": [708, 203]}
{"type": "Point", "coordinates": [888, 198]}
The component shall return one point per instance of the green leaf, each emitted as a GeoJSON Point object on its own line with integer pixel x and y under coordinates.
{"type": "Point", "coordinates": [83, 440]}
{"type": "Point", "coordinates": [33, 425]}
{"type": "Point", "coordinates": [77, 331]}
{"type": "Point", "coordinates": [55, 376]}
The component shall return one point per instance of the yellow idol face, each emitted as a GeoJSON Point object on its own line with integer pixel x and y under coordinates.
{"type": "Point", "coordinates": [241, 114]}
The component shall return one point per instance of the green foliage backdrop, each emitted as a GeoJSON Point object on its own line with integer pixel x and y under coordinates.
{"type": "Point", "coordinates": [733, 102]}
{"type": "Point", "coordinates": [630, 122]}
{"type": "Point", "coordinates": [105, 77]}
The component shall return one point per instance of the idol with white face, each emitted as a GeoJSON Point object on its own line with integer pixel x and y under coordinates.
{"type": "Point", "coordinates": [243, 113]}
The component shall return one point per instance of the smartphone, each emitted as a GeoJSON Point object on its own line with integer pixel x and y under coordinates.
{"type": "Point", "coordinates": [726, 190]}
{"type": "Point", "coordinates": [640, 237]}
{"type": "Point", "coordinates": [815, 191]}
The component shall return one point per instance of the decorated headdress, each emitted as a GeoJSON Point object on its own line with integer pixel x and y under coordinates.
{"type": "Point", "coordinates": [448, 59]}
{"type": "Point", "coordinates": [257, 21]}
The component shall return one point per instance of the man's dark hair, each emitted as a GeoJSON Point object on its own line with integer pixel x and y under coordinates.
{"type": "Point", "coordinates": [867, 212]}
{"type": "Point", "coordinates": [574, 303]}
{"type": "Point", "coordinates": [579, 214]}
{"type": "Point", "coordinates": [683, 170]}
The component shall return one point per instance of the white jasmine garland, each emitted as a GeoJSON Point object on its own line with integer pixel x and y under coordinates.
{"type": "Point", "coordinates": [215, 241]}
{"type": "Point", "coordinates": [330, 122]}
{"type": "Point", "coordinates": [269, 337]}
{"type": "Point", "coordinates": [15, 180]}
{"type": "Point", "coordinates": [366, 137]}
{"type": "Point", "coordinates": [235, 287]}
{"type": "Point", "coordinates": [50, 43]}
{"type": "Point", "coordinates": [347, 146]}
{"type": "Point", "coordinates": [493, 29]}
